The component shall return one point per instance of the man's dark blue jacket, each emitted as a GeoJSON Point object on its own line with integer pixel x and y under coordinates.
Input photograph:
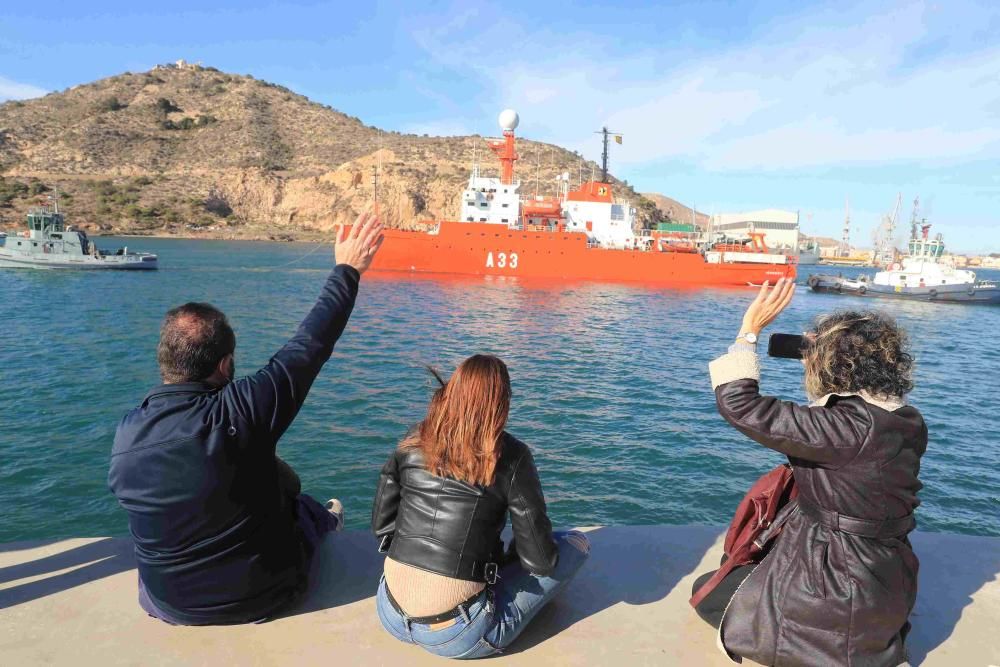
{"type": "Point", "coordinates": [194, 466]}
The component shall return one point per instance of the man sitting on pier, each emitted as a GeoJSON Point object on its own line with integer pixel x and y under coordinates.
{"type": "Point", "coordinates": [222, 534]}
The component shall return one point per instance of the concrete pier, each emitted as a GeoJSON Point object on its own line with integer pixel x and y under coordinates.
{"type": "Point", "coordinates": [74, 602]}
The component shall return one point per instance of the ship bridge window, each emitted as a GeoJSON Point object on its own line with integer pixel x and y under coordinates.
{"type": "Point", "coordinates": [469, 219]}
{"type": "Point", "coordinates": [617, 212]}
{"type": "Point", "coordinates": [504, 205]}
{"type": "Point", "coordinates": [56, 236]}
{"type": "Point", "coordinates": [482, 219]}
{"type": "Point", "coordinates": [483, 204]}
{"type": "Point", "coordinates": [504, 220]}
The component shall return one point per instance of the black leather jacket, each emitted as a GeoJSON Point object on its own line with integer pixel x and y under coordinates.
{"type": "Point", "coordinates": [452, 528]}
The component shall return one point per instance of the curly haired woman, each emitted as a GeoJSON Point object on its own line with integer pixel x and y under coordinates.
{"type": "Point", "coordinates": [840, 582]}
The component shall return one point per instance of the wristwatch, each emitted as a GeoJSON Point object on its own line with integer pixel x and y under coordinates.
{"type": "Point", "coordinates": [749, 337]}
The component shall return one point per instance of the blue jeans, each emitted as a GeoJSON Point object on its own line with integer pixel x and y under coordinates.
{"type": "Point", "coordinates": [499, 614]}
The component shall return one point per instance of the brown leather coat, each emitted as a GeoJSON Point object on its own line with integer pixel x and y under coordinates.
{"type": "Point", "coordinates": [841, 580]}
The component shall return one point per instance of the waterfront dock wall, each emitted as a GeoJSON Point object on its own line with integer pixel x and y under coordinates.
{"type": "Point", "coordinates": [74, 602]}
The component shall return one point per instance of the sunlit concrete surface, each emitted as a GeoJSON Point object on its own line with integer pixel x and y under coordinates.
{"type": "Point", "coordinates": [73, 602]}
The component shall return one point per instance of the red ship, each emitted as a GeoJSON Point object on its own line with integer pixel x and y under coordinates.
{"type": "Point", "coordinates": [581, 234]}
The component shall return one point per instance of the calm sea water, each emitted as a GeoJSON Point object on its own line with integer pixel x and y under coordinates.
{"type": "Point", "coordinates": [611, 385]}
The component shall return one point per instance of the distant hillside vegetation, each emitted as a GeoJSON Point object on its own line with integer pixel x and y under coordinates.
{"type": "Point", "coordinates": [190, 149]}
{"type": "Point", "coordinates": [673, 210]}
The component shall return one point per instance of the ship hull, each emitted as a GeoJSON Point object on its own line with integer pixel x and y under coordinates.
{"type": "Point", "coordinates": [78, 263]}
{"type": "Point", "coordinates": [978, 294]}
{"type": "Point", "coordinates": [495, 250]}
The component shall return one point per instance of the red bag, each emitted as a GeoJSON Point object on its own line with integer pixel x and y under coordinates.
{"type": "Point", "coordinates": [755, 524]}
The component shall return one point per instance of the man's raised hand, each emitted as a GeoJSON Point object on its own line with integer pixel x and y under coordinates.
{"type": "Point", "coordinates": [357, 247]}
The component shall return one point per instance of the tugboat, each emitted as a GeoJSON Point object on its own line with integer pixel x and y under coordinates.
{"type": "Point", "coordinates": [920, 276]}
{"type": "Point", "coordinates": [583, 233]}
{"type": "Point", "coordinates": [48, 244]}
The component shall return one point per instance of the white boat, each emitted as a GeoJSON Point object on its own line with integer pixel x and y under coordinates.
{"type": "Point", "coordinates": [48, 244]}
{"type": "Point", "coordinates": [918, 276]}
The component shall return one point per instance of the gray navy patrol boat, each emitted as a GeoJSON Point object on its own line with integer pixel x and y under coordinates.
{"type": "Point", "coordinates": [48, 244]}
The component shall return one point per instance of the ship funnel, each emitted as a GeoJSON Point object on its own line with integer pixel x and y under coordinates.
{"type": "Point", "coordinates": [508, 120]}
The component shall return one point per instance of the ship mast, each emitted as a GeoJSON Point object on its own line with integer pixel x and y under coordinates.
{"type": "Point", "coordinates": [604, 154]}
{"type": "Point", "coordinates": [504, 148]}
{"type": "Point", "coordinates": [845, 241]}
{"type": "Point", "coordinates": [377, 168]}
{"type": "Point", "coordinates": [889, 249]}
{"type": "Point", "coordinates": [913, 219]}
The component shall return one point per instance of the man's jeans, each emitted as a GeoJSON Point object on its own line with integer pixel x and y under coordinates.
{"type": "Point", "coordinates": [499, 614]}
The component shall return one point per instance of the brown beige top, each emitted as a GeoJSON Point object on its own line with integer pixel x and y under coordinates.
{"type": "Point", "coordinates": [422, 593]}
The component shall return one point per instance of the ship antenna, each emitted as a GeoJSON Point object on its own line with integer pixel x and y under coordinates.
{"type": "Point", "coordinates": [538, 168]}
{"type": "Point", "coordinates": [376, 168]}
{"type": "Point", "coordinates": [845, 239]}
{"type": "Point", "coordinates": [551, 162]}
{"type": "Point", "coordinates": [605, 133]}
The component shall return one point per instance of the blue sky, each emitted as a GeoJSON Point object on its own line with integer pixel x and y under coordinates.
{"type": "Point", "coordinates": [730, 106]}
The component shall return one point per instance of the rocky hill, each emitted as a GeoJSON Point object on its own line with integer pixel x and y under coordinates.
{"type": "Point", "coordinates": [673, 210]}
{"type": "Point", "coordinates": [190, 150]}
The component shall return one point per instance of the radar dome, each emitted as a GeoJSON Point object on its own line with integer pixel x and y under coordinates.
{"type": "Point", "coordinates": [509, 119]}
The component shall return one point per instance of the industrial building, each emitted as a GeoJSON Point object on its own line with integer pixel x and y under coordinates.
{"type": "Point", "coordinates": [781, 228]}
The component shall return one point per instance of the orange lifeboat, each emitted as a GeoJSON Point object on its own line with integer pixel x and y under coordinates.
{"type": "Point", "coordinates": [541, 208]}
{"type": "Point", "coordinates": [668, 244]}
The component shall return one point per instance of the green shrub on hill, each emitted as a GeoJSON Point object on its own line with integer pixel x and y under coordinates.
{"type": "Point", "coordinates": [165, 106]}
{"type": "Point", "coordinates": [188, 123]}
{"type": "Point", "coordinates": [110, 104]}
{"type": "Point", "coordinates": [36, 187]}
{"type": "Point", "coordinates": [10, 190]}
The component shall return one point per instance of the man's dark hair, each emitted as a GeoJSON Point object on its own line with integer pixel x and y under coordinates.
{"type": "Point", "coordinates": [193, 340]}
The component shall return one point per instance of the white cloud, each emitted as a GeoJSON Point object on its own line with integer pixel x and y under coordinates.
{"type": "Point", "coordinates": [12, 90]}
{"type": "Point", "coordinates": [827, 88]}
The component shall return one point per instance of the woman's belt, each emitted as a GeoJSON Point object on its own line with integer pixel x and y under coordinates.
{"type": "Point", "coordinates": [873, 528]}
{"type": "Point", "coordinates": [461, 609]}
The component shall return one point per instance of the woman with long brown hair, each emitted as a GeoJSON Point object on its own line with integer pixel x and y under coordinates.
{"type": "Point", "coordinates": [442, 502]}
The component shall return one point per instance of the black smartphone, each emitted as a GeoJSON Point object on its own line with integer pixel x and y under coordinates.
{"type": "Point", "coordinates": [786, 346]}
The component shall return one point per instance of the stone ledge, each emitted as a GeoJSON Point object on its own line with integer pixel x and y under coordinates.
{"type": "Point", "coordinates": [74, 602]}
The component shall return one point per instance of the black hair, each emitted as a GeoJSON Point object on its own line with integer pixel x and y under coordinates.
{"type": "Point", "coordinates": [194, 338]}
